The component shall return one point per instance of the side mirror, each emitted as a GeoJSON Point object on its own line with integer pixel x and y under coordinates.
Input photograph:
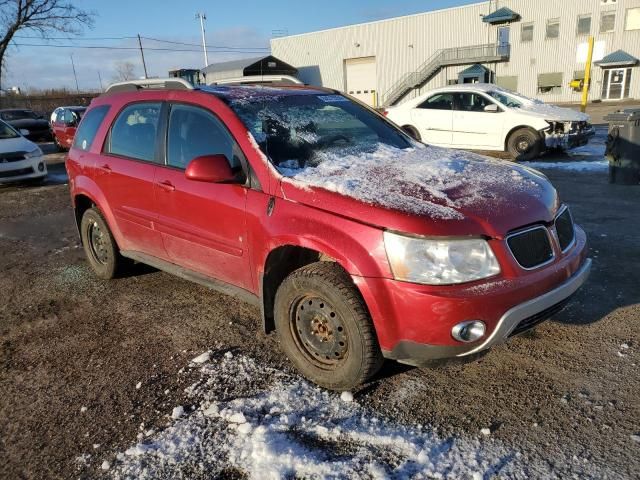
{"type": "Point", "coordinates": [491, 108]}
{"type": "Point", "coordinates": [210, 168]}
{"type": "Point", "coordinates": [24, 132]}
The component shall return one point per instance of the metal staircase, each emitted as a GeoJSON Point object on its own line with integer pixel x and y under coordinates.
{"type": "Point", "coordinates": [488, 53]}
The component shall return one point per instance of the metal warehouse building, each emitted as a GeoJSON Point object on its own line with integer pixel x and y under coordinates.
{"type": "Point", "coordinates": [533, 46]}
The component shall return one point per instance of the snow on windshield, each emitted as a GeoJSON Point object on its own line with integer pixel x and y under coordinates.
{"type": "Point", "coordinates": [422, 180]}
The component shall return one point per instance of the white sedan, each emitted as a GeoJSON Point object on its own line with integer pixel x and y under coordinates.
{"type": "Point", "coordinates": [20, 159]}
{"type": "Point", "coordinates": [483, 116]}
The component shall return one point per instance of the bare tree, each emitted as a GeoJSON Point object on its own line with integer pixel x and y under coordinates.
{"type": "Point", "coordinates": [41, 17]}
{"type": "Point", "coordinates": [124, 71]}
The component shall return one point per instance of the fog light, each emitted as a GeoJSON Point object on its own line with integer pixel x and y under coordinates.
{"type": "Point", "coordinates": [41, 167]}
{"type": "Point", "coordinates": [468, 331]}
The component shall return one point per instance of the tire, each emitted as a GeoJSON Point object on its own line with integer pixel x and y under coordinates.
{"type": "Point", "coordinates": [99, 245]}
{"type": "Point", "coordinates": [524, 144]}
{"type": "Point", "coordinates": [338, 349]}
{"type": "Point", "coordinates": [412, 132]}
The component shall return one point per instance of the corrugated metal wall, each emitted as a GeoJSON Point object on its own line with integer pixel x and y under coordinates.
{"type": "Point", "coordinates": [402, 44]}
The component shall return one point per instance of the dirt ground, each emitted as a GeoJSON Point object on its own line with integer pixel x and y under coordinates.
{"type": "Point", "coordinates": [73, 348]}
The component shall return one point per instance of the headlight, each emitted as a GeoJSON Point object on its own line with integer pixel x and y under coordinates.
{"type": "Point", "coordinates": [34, 153]}
{"type": "Point", "coordinates": [439, 261]}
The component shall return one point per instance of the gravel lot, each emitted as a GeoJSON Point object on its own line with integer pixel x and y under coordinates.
{"type": "Point", "coordinates": [88, 368]}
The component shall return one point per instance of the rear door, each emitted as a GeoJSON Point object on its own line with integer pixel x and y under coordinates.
{"type": "Point", "coordinates": [128, 168]}
{"type": "Point", "coordinates": [473, 127]}
{"type": "Point", "coordinates": [434, 119]}
{"type": "Point", "coordinates": [203, 224]}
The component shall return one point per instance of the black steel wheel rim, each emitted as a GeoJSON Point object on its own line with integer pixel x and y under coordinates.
{"type": "Point", "coordinates": [98, 243]}
{"type": "Point", "coordinates": [523, 144]}
{"type": "Point", "coordinates": [319, 332]}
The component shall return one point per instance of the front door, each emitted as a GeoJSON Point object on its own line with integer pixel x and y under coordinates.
{"type": "Point", "coordinates": [434, 119]}
{"type": "Point", "coordinates": [616, 83]}
{"type": "Point", "coordinates": [203, 224]}
{"type": "Point", "coordinates": [473, 127]}
{"type": "Point", "coordinates": [503, 40]}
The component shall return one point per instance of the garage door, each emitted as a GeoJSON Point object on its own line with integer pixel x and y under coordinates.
{"type": "Point", "coordinates": [360, 74]}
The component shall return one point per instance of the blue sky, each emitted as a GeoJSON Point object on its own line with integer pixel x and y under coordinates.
{"type": "Point", "coordinates": [247, 24]}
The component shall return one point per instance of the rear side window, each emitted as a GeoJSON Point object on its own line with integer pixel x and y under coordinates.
{"type": "Point", "coordinates": [440, 101]}
{"type": "Point", "coordinates": [133, 134]}
{"type": "Point", "coordinates": [88, 127]}
{"type": "Point", "coordinates": [194, 132]}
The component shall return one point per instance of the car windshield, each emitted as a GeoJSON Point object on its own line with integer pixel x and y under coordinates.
{"type": "Point", "coordinates": [7, 132]}
{"type": "Point", "coordinates": [506, 99]}
{"type": "Point", "coordinates": [18, 115]}
{"type": "Point", "coordinates": [295, 131]}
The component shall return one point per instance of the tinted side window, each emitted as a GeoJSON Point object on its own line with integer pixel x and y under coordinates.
{"type": "Point", "coordinates": [471, 102]}
{"type": "Point", "coordinates": [440, 101]}
{"type": "Point", "coordinates": [194, 132]}
{"type": "Point", "coordinates": [133, 134]}
{"type": "Point", "coordinates": [89, 127]}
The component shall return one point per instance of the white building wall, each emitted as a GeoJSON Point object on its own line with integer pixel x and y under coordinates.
{"type": "Point", "coordinates": [402, 44]}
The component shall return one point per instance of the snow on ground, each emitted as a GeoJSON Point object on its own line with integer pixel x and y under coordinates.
{"type": "Point", "coordinates": [253, 420]}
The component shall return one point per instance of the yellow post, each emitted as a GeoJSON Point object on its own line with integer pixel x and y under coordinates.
{"type": "Point", "coordinates": [587, 77]}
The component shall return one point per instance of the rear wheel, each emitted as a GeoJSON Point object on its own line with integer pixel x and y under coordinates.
{"type": "Point", "coordinates": [412, 132]}
{"type": "Point", "coordinates": [99, 245]}
{"type": "Point", "coordinates": [524, 144]}
{"type": "Point", "coordinates": [324, 327]}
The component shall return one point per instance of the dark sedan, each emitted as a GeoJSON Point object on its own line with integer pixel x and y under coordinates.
{"type": "Point", "coordinates": [22, 119]}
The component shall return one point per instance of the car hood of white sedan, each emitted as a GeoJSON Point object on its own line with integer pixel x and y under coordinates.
{"type": "Point", "coordinates": [19, 144]}
{"type": "Point", "coordinates": [551, 112]}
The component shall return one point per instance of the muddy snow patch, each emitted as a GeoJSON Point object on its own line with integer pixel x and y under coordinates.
{"type": "Point", "coordinates": [265, 424]}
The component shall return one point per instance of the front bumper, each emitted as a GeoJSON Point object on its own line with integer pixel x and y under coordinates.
{"type": "Point", "coordinates": [528, 314]}
{"type": "Point", "coordinates": [570, 140]}
{"type": "Point", "coordinates": [27, 169]}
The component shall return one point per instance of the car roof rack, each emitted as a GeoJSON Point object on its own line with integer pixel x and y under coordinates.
{"type": "Point", "coordinates": [150, 84]}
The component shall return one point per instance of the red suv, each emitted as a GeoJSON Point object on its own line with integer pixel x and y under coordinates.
{"type": "Point", "coordinates": [357, 242]}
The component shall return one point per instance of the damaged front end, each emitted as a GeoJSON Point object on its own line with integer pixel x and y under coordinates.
{"type": "Point", "coordinates": [567, 135]}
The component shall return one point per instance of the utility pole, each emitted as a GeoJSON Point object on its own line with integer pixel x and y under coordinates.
{"type": "Point", "coordinates": [144, 65]}
{"type": "Point", "coordinates": [73, 66]}
{"type": "Point", "coordinates": [203, 17]}
{"type": "Point", "coordinates": [100, 80]}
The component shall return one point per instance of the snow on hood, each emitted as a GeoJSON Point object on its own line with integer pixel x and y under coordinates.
{"type": "Point", "coordinates": [423, 180]}
{"type": "Point", "coordinates": [551, 112]}
{"type": "Point", "coordinates": [18, 144]}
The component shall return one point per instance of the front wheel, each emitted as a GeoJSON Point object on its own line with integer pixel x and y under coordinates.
{"type": "Point", "coordinates": [524, 144]}
{"type": "Point", "coordinates": [324, 328]}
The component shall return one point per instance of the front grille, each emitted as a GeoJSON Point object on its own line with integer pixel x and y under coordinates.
{"type": "Point", "coordinates": [531, 248]}
{"type": "Point", "coordinates": [17, 173]}
{"type": "Point", "coordinates": [12, 157]}
{"type": "Point", "coordinates": [538, 318]}
{"type": "Point", "coordinates": [564, 229]}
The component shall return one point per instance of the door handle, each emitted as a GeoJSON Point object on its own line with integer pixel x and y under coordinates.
{"type": "Point", "coordinates": [105, 168]}
{"type": "Point", "coordinates": [167, 186]}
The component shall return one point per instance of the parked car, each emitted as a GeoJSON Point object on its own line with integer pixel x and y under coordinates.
{"type": "Point", "coordinates": [484, 116]}
{"type": "Point", "coordinates": [35, 125]}
{"type": "Point", "coordinates": [20, 159]}
{"type": "Point", "coordinates": [64, 121]}
{"type": "Point", "coordinates": [357, 242]}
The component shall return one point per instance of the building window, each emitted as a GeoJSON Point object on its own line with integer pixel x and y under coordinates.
{"type": "Point", "coordinates": [452, 82]}
{"type": "Point", "coordinates": [550, 82]}
{"type": "Point", "coordinates": [584, 24]}
{"type": "Point", "coordinates": [607, 22]}
{"type": "Point", "coordinates": [526, 34]}
{"type": "Point", "coordinates": [508, 83]}
{"type": "Point", "coordinates": [632, 21]}
{"type": "Point", "coordinates": [553, 28]}
{"type": "Point", "coordinates": [578, 74]}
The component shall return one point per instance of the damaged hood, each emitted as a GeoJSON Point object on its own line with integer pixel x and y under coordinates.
{"type": "Point", "coordinates": [424, 190]}
{"type": "Point", "coordinates": [551, 112]}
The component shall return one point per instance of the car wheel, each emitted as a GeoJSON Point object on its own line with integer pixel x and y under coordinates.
{"type": "Point", "coordinates": [524, 144]}
{"type": "Point", "coordinates": [324, 327]}
{"type": "Point", "coordinates": [412, 132]}
{"type": "Point", "coordinates": [99, 245]}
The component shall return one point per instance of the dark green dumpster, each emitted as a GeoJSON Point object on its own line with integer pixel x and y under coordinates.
{"type": "Point", "coordinates": [623, 146]}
